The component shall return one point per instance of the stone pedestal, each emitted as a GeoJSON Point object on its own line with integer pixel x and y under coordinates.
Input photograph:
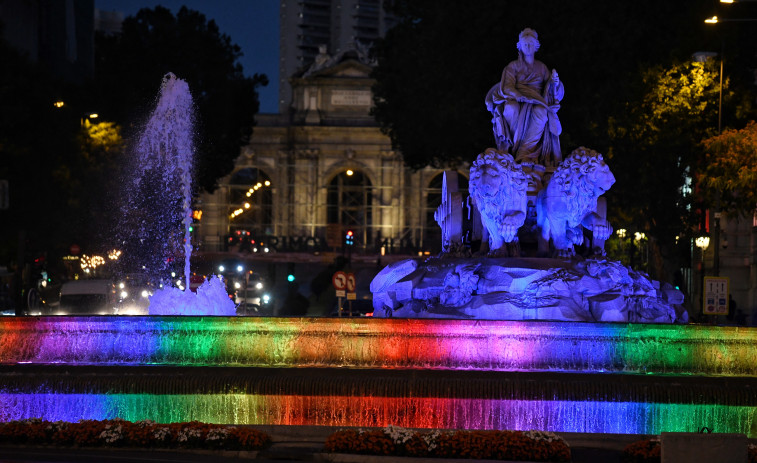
{"type": "Point", "coordinates": [678, 447]}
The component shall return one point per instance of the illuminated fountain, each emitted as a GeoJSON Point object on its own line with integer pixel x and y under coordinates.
{"type": "Point", "coordinates": [524, 190]}
{"type": "Point", "coordinates": [471, 374]}
{"type": "Point", "coordinates": [159, 202]}
{"type": "Point", "coordinates": [599, 377]}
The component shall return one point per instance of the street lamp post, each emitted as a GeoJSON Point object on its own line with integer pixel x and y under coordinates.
{"type": "Point", "coordinates": [702, 242]}
{"type": "Point", "coordinates": [717, 214]}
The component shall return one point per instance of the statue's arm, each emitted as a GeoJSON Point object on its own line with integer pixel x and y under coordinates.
{"type": "Point", "coordinates": [508, 83]}
{"type": "Point", "coordinates": [558, 91]}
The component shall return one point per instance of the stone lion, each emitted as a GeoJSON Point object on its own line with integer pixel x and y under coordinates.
{"type": "Point", "coordinates": [498, 189]}
{"type": "Point", "coordinates": [569, 202]}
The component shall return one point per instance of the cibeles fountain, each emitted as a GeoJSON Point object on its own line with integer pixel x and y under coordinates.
{"type": "Point", "coordinates": [524, 188]}
{"type": "Point", "coordinates": [538, 330]}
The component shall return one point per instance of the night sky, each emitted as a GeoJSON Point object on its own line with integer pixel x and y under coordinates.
{"type": "Point", "coordinates": [251, 24]}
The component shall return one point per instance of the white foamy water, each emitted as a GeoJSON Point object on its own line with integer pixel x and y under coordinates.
{"type": "Point", "coordinates": [211, 299]}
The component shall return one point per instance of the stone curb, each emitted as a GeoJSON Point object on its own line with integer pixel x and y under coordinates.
{"type": "Point", "coordinates": [241, 454]}
{"type": "Point", "coordinates": [355, 458]}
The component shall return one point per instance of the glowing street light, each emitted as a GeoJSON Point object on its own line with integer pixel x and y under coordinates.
{"type": "Point", "coordinates": [715, 20]}
{"type": "Point", "coordinates": [702, 242]}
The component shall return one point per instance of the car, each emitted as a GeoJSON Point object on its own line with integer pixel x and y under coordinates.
{"type": "Point", "coordinates": [134, 292]}
{"type": "Point", "coordinates": [87, 297]}
{"type": "Point", "coordinates": [252, 295]}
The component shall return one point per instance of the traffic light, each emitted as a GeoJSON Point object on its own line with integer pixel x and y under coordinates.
{"type": "Point", "coordinates": [290, 272]}
{"type": "Point", "coordinates": [349, 238]}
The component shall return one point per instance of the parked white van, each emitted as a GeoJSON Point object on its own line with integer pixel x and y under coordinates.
{"type": "Point", "coordinates": [87, 297]}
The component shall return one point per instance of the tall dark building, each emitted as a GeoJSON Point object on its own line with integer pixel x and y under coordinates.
{"type": "Point", "coordinates": [338, 24]}
{"type": "Point", "coordinates": [58, 34]}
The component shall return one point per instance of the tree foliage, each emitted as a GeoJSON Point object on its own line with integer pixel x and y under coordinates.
{"type": "Point", "coordinates": [130, 66]}
{"type": "Point", "coordinates": [655, 145]}
{"type": "Point", "coordinates": [436, 66]}
{"type": "Point", "coordinates": [85, 182]}
{"type": "Point", "coordinates": [35, 136]}
{"type": "Point", "coordinates": [730, 171]}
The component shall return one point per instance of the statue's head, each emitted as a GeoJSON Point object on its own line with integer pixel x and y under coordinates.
{"type": "Point", "coordinates": [528, 41]}
{"type": "Point", "coordinates": [583, 176]}
{"type": "Point", "coordinates": [496, 180]}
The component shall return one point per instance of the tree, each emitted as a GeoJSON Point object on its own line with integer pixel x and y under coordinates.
{"type": "Point", "coordinates": [85, 182]}
{"type": "Point", "coordinates": [655, 143]}
{"type": "Point", "coordinates": [437, 64]}
{"type": "Point", "coordinates": [35, 137]}
{"type": "Point", "coordinates": [730, 171]}
{"type": "Point", "coordinates": [130, 66]}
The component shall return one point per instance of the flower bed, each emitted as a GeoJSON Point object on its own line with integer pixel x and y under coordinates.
{"type": "Point", "coordinates": [120, 433]}
{"type": "Point", "coordinates": [494, 445]}
{"type": "Point", "coordinates": [643, 451]}
{"type": "Point", "coordinates": [648, 451]}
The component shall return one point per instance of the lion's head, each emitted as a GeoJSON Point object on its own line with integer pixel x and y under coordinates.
{"type": "Point", "coordinates": [582, 177]}
{"type": "Point", "coordinates": [494, 175]}
{"type": "Point", "coordinates": [498, 188]}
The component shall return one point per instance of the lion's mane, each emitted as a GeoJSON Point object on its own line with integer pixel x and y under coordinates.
{"type": "Point", "coordinates": [575, 178]}
{"type": "Point", "coordinates": [513, 183]}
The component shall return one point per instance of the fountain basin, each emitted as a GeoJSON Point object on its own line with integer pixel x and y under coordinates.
{"type": "Point", "coordinates": [490, 345]}
{"type": "Point", "coordinates": [459, 374]}
{"type": "Point", "coordinates": [558, 402]}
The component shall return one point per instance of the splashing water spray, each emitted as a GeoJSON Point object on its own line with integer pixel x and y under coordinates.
{"type": "Point", "coordinates": [166, 144]}
{"type": "Point", "coordinates": [162, 199]}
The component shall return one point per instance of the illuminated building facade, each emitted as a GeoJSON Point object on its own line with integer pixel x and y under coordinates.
{"type": "Point", "coordinates": [308, 177]}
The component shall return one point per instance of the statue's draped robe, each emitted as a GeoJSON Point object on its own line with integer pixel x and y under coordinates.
{"type": "Point", "coordinates": [529, 130]}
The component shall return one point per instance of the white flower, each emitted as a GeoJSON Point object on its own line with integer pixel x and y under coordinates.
{"type": "Point", "coordinates": [112, 434]}
{"type": "Point", "coordinates": [398, 435]}
{"type": "Point", "coordinates": [188, 433]}
{"type": "Point", "coordinates": [544, 436]}
{"type": "Point", "coordinates": [432, 439]}
{"type": "Point", "coordinates": [217, 434]}
{"type": "Point", "coordinates": [161, 433]}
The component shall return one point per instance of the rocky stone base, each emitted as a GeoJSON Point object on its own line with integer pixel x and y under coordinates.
{"type": "Point", "coordinates": [591, 290]}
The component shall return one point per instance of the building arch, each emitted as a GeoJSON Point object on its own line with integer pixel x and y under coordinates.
{"type": "Point", "coordinates": [250, 201]}
{"type": "Point", "coordinates": [350, 204]}
{"type": "Point", "coordinates": [339, 167]}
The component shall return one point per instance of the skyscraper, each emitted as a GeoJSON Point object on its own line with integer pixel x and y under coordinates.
{"type": "Point", "coordinates": [337, 24]}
